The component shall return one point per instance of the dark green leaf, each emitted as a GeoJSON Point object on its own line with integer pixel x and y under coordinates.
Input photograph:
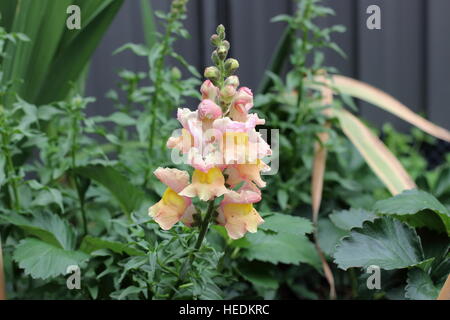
{"type": "Point", "coordinates": [129, 197]}
{"type": "Point", "coordinates": [90, 244]}
{"type": "Point", "coordinates": [414, 206]}
{"type": "Point", "coordinates": [420, 286]}
{"type": "Point", "coordinates": [353, 218]}
{"type": "Point", "coordinates": [387, 243]}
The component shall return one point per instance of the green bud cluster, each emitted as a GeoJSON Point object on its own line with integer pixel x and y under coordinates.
{"type": "Point", "coordinates": [178, 8]}
{"type": "Point", "coordinates": [222, 67]}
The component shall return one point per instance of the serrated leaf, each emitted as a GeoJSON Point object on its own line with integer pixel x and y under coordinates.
{"type": "Point", "coordinates": [281, 248]}
{"type": "Point", "coordinates": [90, 244]}
{"type": "Point", "coordinates": [286, 223]}
{"type": "Point", "coordinates": [48, 227]}
{"type": "Point", "coordinates": [412, 206]}
{"type": "Point", "coordinates": [386, 242]}
{"type": "Point", "coordinates": [43, 260]}
{"type": "Point", "coordinates": [420, 286]}
{"type": "Point", "coordinates": [353, 218]}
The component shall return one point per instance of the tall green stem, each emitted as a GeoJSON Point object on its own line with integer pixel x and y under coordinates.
{"type": "Point", "coordinates": [11, 172]}
{"type": "Point", "coordinates": [302, 63]}
{"type": "Point", "coordinates": [74, 177]}
{"type": "Point", "coordinates": [201, 236]}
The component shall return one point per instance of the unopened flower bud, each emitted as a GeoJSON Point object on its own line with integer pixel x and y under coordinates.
{"type": "Point", "coordinates": [207, 109]}
{"type": "Point", "coordinates": [212, 73]}
{"type": "Point", "coordinates": [215, 40]}
{"type": "Point", "coordinates": [209, 90]}
{"type": "Point", "coordinates": [226, 44]}
{"type": "Point", "coordinates": [222, 52]}
{"type": "Point", "coordinates": [231, 65]}
{"type": "Point", "coordinates": [221, 31]}
{"type": "Point", "coordinates": [232, 81]}
{"type": "Point", "coordinates": [227, 93]}
{"type": "Point", "coordinates": [175, 73]}
{"type": "Point", "coordinates": [215, 57]}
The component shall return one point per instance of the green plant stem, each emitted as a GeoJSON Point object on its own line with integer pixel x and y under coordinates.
{"type": "Point", "coordinates": [74, 176]}
{"type": "Point", "coordinates": [158, 71]}
{"type": "Point", "coordinates": [201, 236]}
{"type": "Point", "coordinates": [155, 98]}
{"type": "Point", "coordinates": [302, 64]}
{"type": "Point", "coordinates": [10, 172]}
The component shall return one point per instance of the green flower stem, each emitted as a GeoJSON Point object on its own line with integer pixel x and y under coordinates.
{"type": "Point", "coordinates": [205, 225]}
{"type": "Point", "coordinates": [11, 172]}
{"type": "Point", "coordinates": [158, 80]}
{"type": "Point", "coordinates": [302, 63]}
{"type": "Point", "coordinates": [188, 262]}
{"type": "Point", "coordinates": [155, 98]}
{"type": "Point", "coordinates": [74, 177]}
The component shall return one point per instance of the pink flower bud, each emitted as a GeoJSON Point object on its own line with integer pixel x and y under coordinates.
{"type": "Point", "coordinates": [243, 100]}
{"type": "Point", "coordinates": [209, 90]}
{"type": "Point", "coordinates": [207, 109]}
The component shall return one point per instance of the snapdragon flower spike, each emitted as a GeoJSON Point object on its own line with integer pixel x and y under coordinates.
{"type": "Point", "coordinates": [220, 142]}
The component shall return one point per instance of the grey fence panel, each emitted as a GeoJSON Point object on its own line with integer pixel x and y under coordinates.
{"type": "Point", "coordinates": [438, 58]}
{"type": "Point", "coordinates": [408, 58]}
{"type": "Point", "coordinates": [254, 37]}
{"type": "Point", "coordinates": [392, 58]}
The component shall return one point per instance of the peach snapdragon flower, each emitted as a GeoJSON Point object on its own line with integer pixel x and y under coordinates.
{"type": "Point", "coordinates": [220, 142]}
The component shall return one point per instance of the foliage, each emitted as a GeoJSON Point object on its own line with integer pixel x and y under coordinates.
{"type": "Point", "coordinates": [74, 190]}
{"type": "Point", "coordinates": [63, 54]}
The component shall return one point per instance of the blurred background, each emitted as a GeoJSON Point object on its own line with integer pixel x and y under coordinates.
{"type": "Point", "coordinates": [407, 58]}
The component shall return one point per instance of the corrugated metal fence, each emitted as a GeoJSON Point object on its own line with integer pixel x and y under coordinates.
{"type": "Point", "coordinates": [408, 58]}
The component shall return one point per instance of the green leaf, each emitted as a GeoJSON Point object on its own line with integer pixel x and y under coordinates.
{"type": "Point", "coordinates": [283, 198]}
{"type": "Point", "coordinates": [90, 244]}
{"type": "Point", "coordinates": [44, 260]}
{"type": "Point", "coordinates": [414, 206]}
{"type": "Point", "coordinates": [281, 247]}
{"type": "Point", "coordinates": [353, 218]}
{"type": "Point", "coordinates": [379, 158]}
{"type": "Point", "coordinates": [387, 243]}
{"type": "Point", "coordinates": [48, 196]}
{"type": "Point", "coordinates": [55, 57]}
{"type": "Point", "coordinates": [148, 22]}
{"type": "Point", "coordinates": [286, 223]}
{"type": "Point", "coordinates": [129, 197]}
{"type": "Point", "coordinates": [48, 227]}
{"type": "Point", "coordinates": [277, 61]}
{"type": "Point", "coordinates": [329, 236]}
{"type": "Point", "coordinates": [259, 273]}
{"type": "Point", "coordinates": [420, 286]}
{"type": "Point", "coordinates": [129, 291]}
{"type": "Point", "coordinates": [76, 48]}
{"type": "Point", "coordinates": [137, 49]}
